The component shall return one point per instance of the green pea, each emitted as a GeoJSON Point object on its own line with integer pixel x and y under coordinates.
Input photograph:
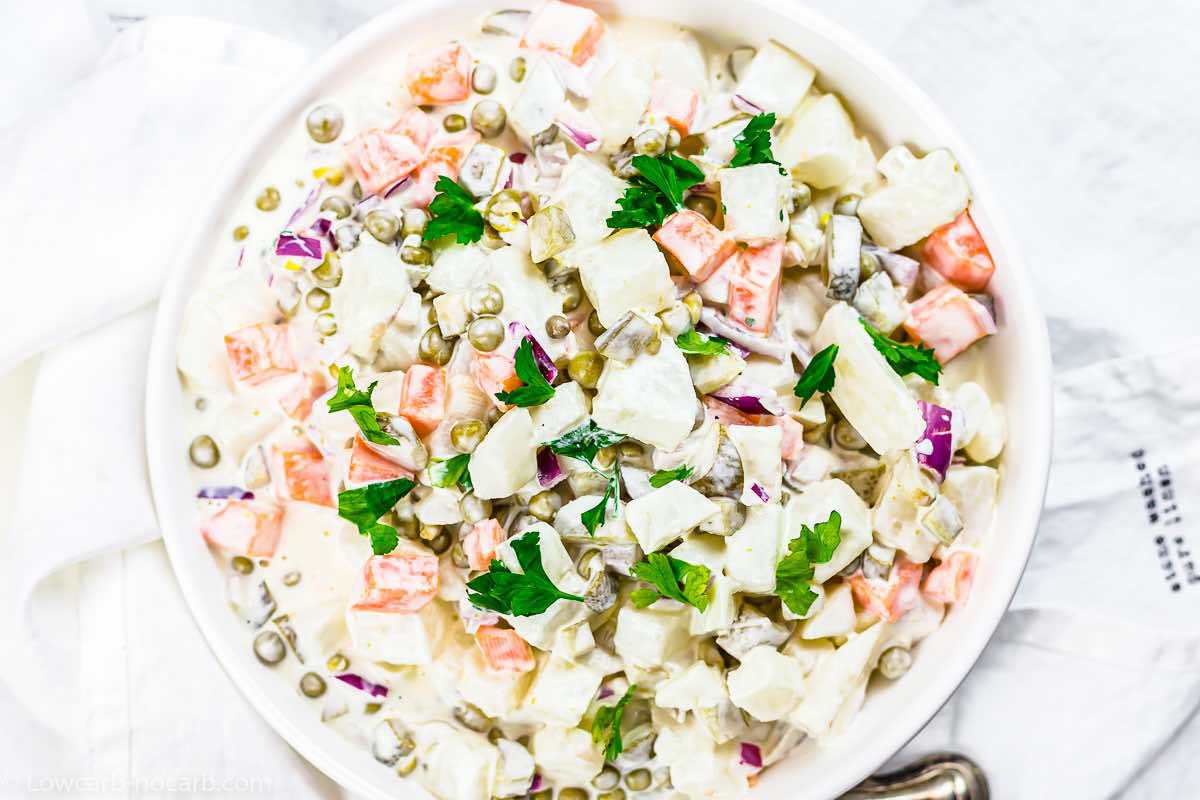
{"type": "Point", "coordinates": [338, 205]}
{"type": "Point", "coordinates": [434, 348]}
{"type": "Point", "coordinates": [383, 225]}
{"type": "Point", "coordinates": [488, 118]}
{"type": "Point", "coordinates": [483, 79]}
{"type": "Point", "coordinates": [593, 323]}
{"type": "Point", "coordinates": [240, 233]}
{"type": "Point", "coordinates": [291, 578]}
{"type": "Point", "coordinates": [242, 565]}
{"type": "Point", "coordinates": [607, 779]}
{"type": "Point", "coordinates": [584, 368]}
{"type": "Point", "coordinates": [466, 435]}
{"type": "Point", "coordinates": [269, 648]}
{"type": "Point", "coordinates": [894, 662]}
{"type": "Point", "coordinates": [268, 200]}
{"type": "Point", "coordinates": [312, 685]}
{"type": "Point", "coordinates": [325, 324]}
{"type": "Point", "coordinates": [203, 452]}
{"type": "Point", "coordinates": [638, 780]}
{"type": "Point", "coordinates": [485, 333]}
{"type": "Point", "coordinates": [572, 794]}
{"type": "Point", "coordinates": [324, 123]}
{"type": "Point", "coordinates": [516, 69]}
{"type": "Point", "coordinates": [486, 299]}
{"type": "Point", "coordinates": [544, 505]}
{"type": "Point", "coordinates": [557, 326]}
{"type": "Point", "coordinates": [416, 256]}
{"type": "Point", "coordinates": [337, 663]}
{"type": "Point", "coordinates": [702, 204]}
{"type": "Point", "coordinates": [453, 123]}
{"type": "Point", "coordinates": [317, 299]}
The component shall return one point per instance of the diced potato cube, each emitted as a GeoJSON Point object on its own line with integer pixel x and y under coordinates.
{"type": "Point", "coordinates": [699, 686]}
{"type": "Point", "coordinates": [867, 390]}
{"type": "Point", "coordinates": [906, 491]}
{"type": "Point", "coordinates": [457, 268]}
{"type": "Point", "coordinates": [650, 399]}
{"type": "Point", "coordinates": [698, 767]}
{"type": "Point", "coordinates": [767, 684]}
{"type": "Point", "coordinates": [973, 492]}
{"type": "Point", "coordinates": [455, 762]}
{"type": "Point", "coordinates": [752, 552]}
{"type": "Point", "coordinates": [399, 638]}
{"type": "Point", "coordinates": [775, 79]}
{"type": "Point", "coordinates": [439, 506]}
{"type": "Point", "coordinates": [620, 98]}
{"type": "Point", "coordinates": [542, 97]}
{"type": "Point", "coordinates": [722, 607]}
{"type": "Point", "coordinates": [561, 692]}
{"type": "Point", "coordinates": [835, 617]}
{"type": "Point", "coordinates": [710, 373]}
{"type": "Point", "coordinates": [920, 195]}
{"type": "Point", "coordinates": [812, 413]}
{"type": "Point", "coordinates": [648, 637]}
{"type": "Point", "coordinates": [674, 103]}
{"type": "Point", "coordinates": [259, 352]}
{"type": "Point", "coordinates": [666, 514]}
{"type": "Point", "coordinates": [814, 505]}
{"type": "Point", "coordinates": [708, 551]}
{"type": "Point", "coordinates": [818, 144]}
{"type": "Point", "coordinates": [494, 692]}
{"type": "Point", "coordinates": [570, 31]}
{"type": "Point", "coordinates": [439, 76]}
{"type": "Point", "coordinates": [625, 271]}
{"type": "Point", "coordinates": [727, 520]}
{"type": "Point", "coordinates": [516, 772]}
{"type": "Point", "coordinates": [834, 678]}
{"type": "Point", "coordinates": [452, 313]}
{"type": "Point", "coordinates": [949, 321]}
{"type": "Point", "coordinates": [565, 411]}
{"type": "Point", "coordinates": [754, 198]}
{"type": "Point", "coordinates": [506, 459]}
{"type": "Point", "coordinates": [698, 245]}
{"type": "Point", "coordinates": [588, 192]}
{"type": "Point", "coordinates": [807, 652]}
{"type": "Point", "coordinates": [760, 447]}
{"type": "Point", "coordinates": [566, 755]}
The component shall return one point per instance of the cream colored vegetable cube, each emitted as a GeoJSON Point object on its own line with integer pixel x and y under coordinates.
{"type": "Point", "coordinates": [699, 686]}
{"type": "Point", "coordinates": [620, 97]}
{"type": "Point", "coordinates": [807, 652]}
{"type": "Point", "coordinates": [565, 411]}
{"type": "Point", "coordinates": [566, 755]}
{"type": "Point", "coordinates": [454, 762]}
{"type": "Point", "coordinates": [439, 507]}
{"type": "Point", "coordinates": [458, 268]}
{"type": "Point", "coordinates": [561, 692]}
{"type": "Point", "coordinates": [667, 514]}
{"type": "Point", "coordinates": [818, 144]}
{"type": "Point", "coordinates": [754, 198]}
{"type": "Point", "coordinates": [569, 523]}
{"type": "Point", "coordinates": [775, 79]}
{"type": "Point", "coordinates": [906, 492]}
{"type": "Point", "coordinates": [650, 399]}
{"type": "Point", "coordinates": [835, 678]}
{"type": "Point", "coordinates": [973, 492]}
{"type": "Point", "coordinates": [812, 413]}
{"type": "Point", "coordinates": [588, 192]}
{"type": "Point", "coordinates": [506, 459]}
{"type": "Point", "coordinates": [710, 373]}
{"type": "Point", "coordinates": [834, 618]}
{"type": "Point", "coordinates": [760, 447]}
{"type": "Point", "coordinates": [867, 390]}
{"type": "Point", "coordinates": [541, 97]}
{"type": "Point", "coordinates": [647, 637]}
{"type": "Point", "coordinates": [881, 303]}
{"type": "Point", "coordinates": [921, 195]}
{"type": "Point", "coordinates": [814, 505]}
{"type": "Point", "coordinates": [708, 551]}
{"type": "Point", "coordinates": [492, 692]}
{"type": "Point", "coordinates": [767, 684]}
{"type": "Point", "coordinates": [452, 313]}
{"type": "Point", "coordinates": [414, 638]}
{"type": "Point", "coordinates": [372, 288]}
{"type": "Point", "coordinates": [623, 272]}
{"type": "Point", "coordinates": [722, 607]}
{"type": "Point", "coordinates": [699, 768]}
{"type": "Point", "coordinates": [752, 553]}
{"type": "Point", "coordinates": [516, 770]}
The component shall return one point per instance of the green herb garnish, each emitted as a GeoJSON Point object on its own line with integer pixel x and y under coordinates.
{"type": "Point", "coordinates": [692, 341]}
{"type": "Point", "coordinates": [753, 144]}
{"type": "Point", "coordinates": [364, 506]}
{"type": "Point", "coordinates": [906, 358]}
{"type": "Point", "coordinates": [657, 191]}
{"type": "Point", "coordinates": [521, 594]}
{"type": "Point", "coordinates": [678, 580]}
{"type": "Point", "coordinates": [665, 476]}
{"type": "Point", "coordinates": [349, 398]}
{"type": "Point", "coordinates": [606, 727]}
{"type": "Point", "coordinates": [584, 443]}
{"type": "Point", "coordinates": [795, 572]}
{"type": "Point", "coordinates": [453, 212]}
{"type": "Point", "coordinates": [818, 375]}
{"type": "Point", "coordinates": [451, 472]}
{"type": "Point", "coordinates": [535, 389]}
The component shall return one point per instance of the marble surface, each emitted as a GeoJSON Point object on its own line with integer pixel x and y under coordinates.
{"type": "Point", "coordinates": [1079, 114]}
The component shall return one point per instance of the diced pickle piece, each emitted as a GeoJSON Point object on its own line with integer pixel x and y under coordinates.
{"type": "Point", "coordinates": [751, 629]}
{"type": "Point", "coordinates": [942, 520]}
{"type": "Point", "coordinates": [843, 244]}
{"type": "Point", "coordinates": [880, 304]}
{"type": "Point", "coordinates": [631, 335]}
{"type": "Point", "coordinates": [481, 169]}
{"type": "Point", "coordinates": [863, 480]}
{"type": "Point", "coordinates": [550, 233]}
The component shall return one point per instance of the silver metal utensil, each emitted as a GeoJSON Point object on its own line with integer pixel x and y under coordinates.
{"type": "Point", "coordinates": [938, 776]}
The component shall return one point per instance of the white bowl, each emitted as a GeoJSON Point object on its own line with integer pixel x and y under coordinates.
{"type": "Point", "coordinates": [885, 103]}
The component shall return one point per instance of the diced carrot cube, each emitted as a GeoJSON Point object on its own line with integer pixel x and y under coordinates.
{"type": "Point", "coordinates": [893, 599]}
{"type": "Point", "coordinates": [698, 245]}
{"type": "Point", "coordinates": [400, 583]}
{"type": "Point", "coordinates": [949, 321]}
{"type": "Point", "coordinates": [950, 581]}
{"type": "Point", "coordinates": [676, 104]}
{"type": "Point", "coordinates": [754, 287]}
{"type": "Point", "coordinates": [494, 372]}
{"type": "Point", "coordinates": [793, 436]}
{"type": "Point", "coordinates": [245, 527]}
{"type": "Point", "coordinates": [259, 352]}
{"type": "Point", "coordinates": [570, 31]}
{"type": "Point", "coordinates": [445, 155]}
{"type": "Point", "coordinates": [504, 650]}
{"type": "Point", "coordinates": [416, 125]}
{"type": "Point", "coordinates": [368, 466]}
{"type": "Point", "coordinates": [423, 397]}
{"type": "Point", "coordinates": [959, 254]}
{"type": "Point", "coordinates": [481, 543]}
{"type": "Point", "coordinates": [439, 76]}
{"type": "Point", "coordinates": [301, 474]}
{"type": "Point", "coordinates": [380, 159]}
{"type": "Point", "coordinates": [297, 403]}
{"type": "Point", "coordinates": [715, 288]}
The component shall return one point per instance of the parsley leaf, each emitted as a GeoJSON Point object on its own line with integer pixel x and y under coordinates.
{"type": "Point", "coordinates": [606, 726]}
{"type": "Point", "coordinates": [535, 389]}
{"type": "Point", "coordinates": [664, 476]}
{"type": "Point", "coordinates": [593, 518]}
{"type": "Point", "coordinates": [753, 144]}
{"type": "Point", "coordinates": [906, 358]}
{"type": "Point", "coordinates": [364, 506]}
{"type": "Point", "coordinates": [673, 578]}
{"type": "Point", "coordinates": [793, 574]}
{"type": "Point", "coordinates": [585, 441]}
{"type": "Point", "coordinates": [692, 341]}
{"type": "Point", "coordinates": [453, 211]}
{"type": "Point", "coordinates": [818, 375]}
{"type": "Point", "coordinates": [656, 192]}
{"type": "Point", "coordinates": [521, 594]}
{"type": "Point", "coordinates": [451, 472]}
{"type": "Point", "coordinates": [350, 398]}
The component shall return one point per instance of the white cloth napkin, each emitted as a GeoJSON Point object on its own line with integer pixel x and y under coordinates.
{"type": "Point", "coordinates": [107, 684]}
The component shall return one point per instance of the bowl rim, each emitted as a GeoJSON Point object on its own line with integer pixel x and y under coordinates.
{"type": "Point", "coordinates": [162, 373]}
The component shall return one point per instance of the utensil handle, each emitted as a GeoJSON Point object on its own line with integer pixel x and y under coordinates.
{"type": "Point", "coordinates": [939, 776]}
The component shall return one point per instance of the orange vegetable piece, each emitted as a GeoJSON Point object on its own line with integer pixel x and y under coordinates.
{"type": "Point", "coordinates": [950, 581]}
{"type": "Point", "coordinates": [674, 103]}
{"type": "Point", "coordinates": [958, 253]}
{"type": "Point", "coordinates": [399, 583]}
{"type": "Point", "coordinates": [504, 650]}
{"type": "Point", "coordinates": [379, 159]}
{"type": "Point", "coordinates": [481, 543]}
{"type": "Point", "coordinates": [423, 397]}
{"type": "Point", "coordinates": [698, 245]}
{"type": "Point", "coordinates": [301, 474]}
{"type": "Point", "coordinates": [259, 352]}
{"type": "Point", "coordinates": [368, 466]}
{"type": "Point", "coordinates": [297, 403]}
{"type": "Point", "coordinates": [245, 527]}
{"type": "Point", "coordinates": [949, 321]}
{"type": "Point", "coordinates": [893, 599]}
{"type": "Point", "coordinates": [439, 75]}
{"type": "Point", "coordinates": [754, 287]}
{"type": "Point", "coordinates": [572, 32]}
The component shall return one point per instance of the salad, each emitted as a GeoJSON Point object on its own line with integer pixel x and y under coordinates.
{"type": "Point", "coordinates": [581, 409]}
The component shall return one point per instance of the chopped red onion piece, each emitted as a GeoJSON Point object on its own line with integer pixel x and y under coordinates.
{"type": "Point", "coordinates": [309, 203]}
{"type": "Point", "coordinates": [742, 104]}
{"type": "Point", "coordinates": [536, 784]}
{"type": "Point", "coordinates": [760, 493]}
{"type": "Point", "coordinates": [518, 158]}
{"type": "Point", "coordinates": [605, 693]}
{"type": "Point", "coordinates": [549, 470]}
{"type": "Point", "coordinates": [321, 226]}
{"type": "Point", "coordinates": [749, 398]}
{"type": "Point", "coordinates": [291, 244]}
{"type": "Point", "coordinates": [361, 683]}
{"type": "Point", "coordinates": [224, 493]}
{"type": "Point", "coordinates": [398, 186]}
{"type": "Point", "coordinates": [575, 125]}
{"type": "Point", "coordinates": [751, 755]}
{"type": "Point", "coordinates": [934, 449]}
{"type": "Point", "coordinates": [544, 361]}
